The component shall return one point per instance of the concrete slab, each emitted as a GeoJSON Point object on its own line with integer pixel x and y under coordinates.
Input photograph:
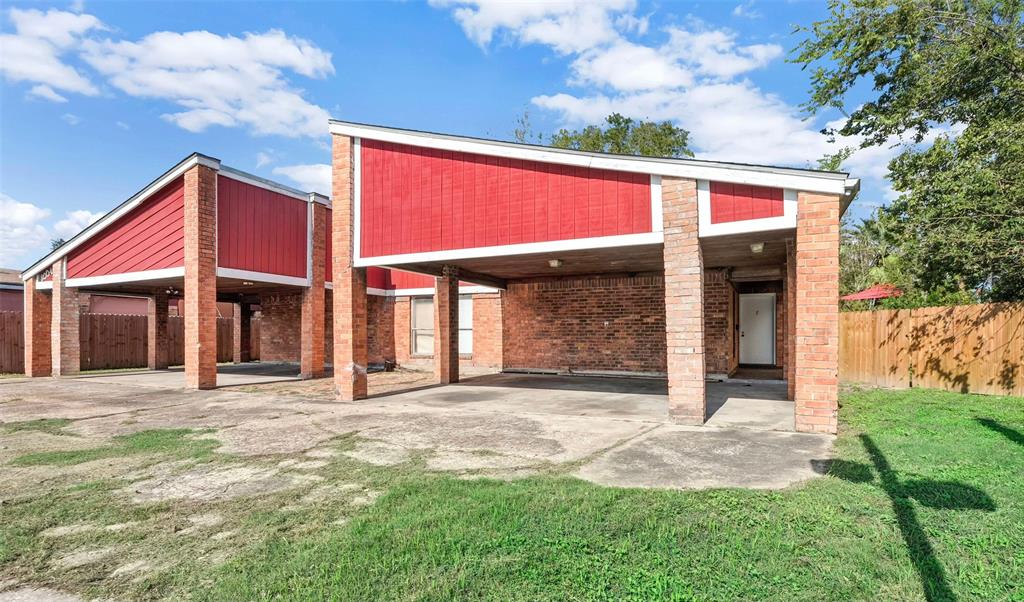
{"type": "Point", "coordinates": [680, 457]}
{"type": "Point", "coordinates": [749, 404]}
{"type": "Point", "coordinates": [228, 375]}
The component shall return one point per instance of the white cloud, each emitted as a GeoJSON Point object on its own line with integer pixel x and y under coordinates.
{"type": "Point", "coordinates": [263, 158]}
{"type": "Point", "coordinates": [21, 230]}
{"type": "Point", "coordinates": [33, 53]}
{"type": "Point", "coordinates": [71, 118]}
{"type": "Point", "coordinates": [122, 125]}
{"type": "Point", "coordinates": [74, 222]}
{"type": "Point", "coordinates": [628, 66]}
{"type": "Point", "coordinates": [714, 52]}
{"type": "Point", "coordinates": [46, 93]}
{"type": "Point", "coordinates": [311, 178]}
{"type": "Point", "coordinates": [220, 80]}
{"type": "Point", "coordinates": [566, 25]}
{"type": "Point", "coordinates": [747, 10]}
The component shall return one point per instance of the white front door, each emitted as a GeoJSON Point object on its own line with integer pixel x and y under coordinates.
{"type": "Point", "coordinates": [757, 328]}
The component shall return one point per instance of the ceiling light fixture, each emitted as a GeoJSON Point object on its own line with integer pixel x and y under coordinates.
{"type": "Point", "coordinates": [555, 263]}
{"type": "Point", "coordinates": [757, 248]}
{"type": "Point", "coordinates": [246, 283]}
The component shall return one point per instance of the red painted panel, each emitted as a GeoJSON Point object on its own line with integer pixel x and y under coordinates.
{"type": "Point", "coordinates": [738, 202]}
{"type": "Point", "coordinates": [260, 230]}
{"type": "Point", "coordinates": [149, 237]}
{"type": "Point", "coordinates": [418, 200]}
{"type": "Point", "coordinates": [399, 279]}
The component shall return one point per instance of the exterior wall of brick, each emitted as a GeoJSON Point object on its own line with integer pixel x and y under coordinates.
{"type": "Point", "coordinates": [280, 327]}
{"type": "Point", "coordinates": [817, 313]}
{"type": "Point", "coordinates": [403, 330]}
{"type": "Point", "coordinates": [36, 318]}
{"type": "Point", "coordinates": [156, 323]}
{"type": "Point", "coordinates": [487, 330]}
{"type": "Point", "coordinates": [719, 322]}
{"type": "Point", "coordinates": [446, 326]}
{"type": "Point", "coordinates": [596, 323]}
{"type": "Point", "coordinates": [684, 303]}
{"type": "Point", "coordinates": [201, 278]}
{"type": "Point", "coordinates": [64, 325]}
{"type": "Point", "coordinates": [790, 370]}
{"type": "Point", "coordinates": [312, 344]}
{"type": "Point", "coordinates": [380, 328]}
{"type": "Point", "coordinates": [350, 349]}
{"type": "Point", "coordinates": [244, 329]}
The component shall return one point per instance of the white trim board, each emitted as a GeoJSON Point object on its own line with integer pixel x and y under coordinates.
{"type": "Point", "coordinates": [555, 246]}
{"type": "Point", "coordinates": [422, 292]}
{"type": "Point", "coordinates": [261, 277]}
{"type": "Point", "coordinates": [777, 177]}
{"type": "Point", "coordinates": [707, 229]}
{"type": "Point", "coordinates": [142, 276]}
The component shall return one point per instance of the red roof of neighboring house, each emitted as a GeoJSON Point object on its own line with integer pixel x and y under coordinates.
{"type": "Point", "coordinates": [878, 291]}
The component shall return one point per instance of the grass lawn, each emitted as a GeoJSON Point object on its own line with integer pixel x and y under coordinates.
{"type": "Point", "coordinates": [924, 500]}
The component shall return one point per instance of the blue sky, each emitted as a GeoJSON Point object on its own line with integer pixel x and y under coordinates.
{"type": "Point", "coordinates": [99, 98]}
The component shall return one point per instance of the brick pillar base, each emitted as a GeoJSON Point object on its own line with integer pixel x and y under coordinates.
{"type": "Point", "coordinates": [37, 318]}
{"type": "Point", "coordinates": [312, 345]}
{"type": "Point", "coordinates": [684, 303]}
{"type": "Point", "coordinates": [156, 342]}
{"type": "Point", "coordinates": [790, 320]}
{"type": "Point", "coordinates": [816, 395]}
{"type": "Point", "coordinates": [349, 294]}
{"type": "Point", "coordinates": [446, 326]}
{"type": "Point", "coordinates": [64, 325]}
{"type": "Point", "coordinates": [244, 324]}
{"type": "Point", "coordinates": [201, 278]}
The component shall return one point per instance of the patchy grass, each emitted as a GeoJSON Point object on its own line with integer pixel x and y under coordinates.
{"type": "Point", "coordinates": [923, 501]}
{"type": "Point", "coordinates": [179, 443]}
{"type": "Point", "coordinates": [52, 426]}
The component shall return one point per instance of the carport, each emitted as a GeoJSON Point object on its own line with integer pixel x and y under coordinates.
{"type": "Point", "coordinates": [606, 261]}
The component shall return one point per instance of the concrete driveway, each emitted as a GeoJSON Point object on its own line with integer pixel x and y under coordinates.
{"type": "Point", "coordinates": [609, 431]}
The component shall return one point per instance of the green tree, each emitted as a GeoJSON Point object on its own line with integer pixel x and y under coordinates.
{"type": "Point", "coordinates": [952, 74]}
{"type": "Point", "coordinates": [56, 243]}
{"type": "Point", "coordinates": [627, 136]}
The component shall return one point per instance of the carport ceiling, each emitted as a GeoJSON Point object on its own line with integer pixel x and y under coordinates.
{"type": "Point", "coordinates": [615, 260]}
{"type": "Point", "coordinates": [734, 250]}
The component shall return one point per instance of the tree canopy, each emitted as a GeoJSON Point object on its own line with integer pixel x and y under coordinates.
{"type": "Point", "coordinates": [627, 136]}
{"type": "Point", "coordinates": [947, 82]}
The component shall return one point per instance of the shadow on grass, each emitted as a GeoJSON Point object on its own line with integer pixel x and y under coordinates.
{"type": "Point", "coordinates": [1011, 434]}
{"type": "Point", "coordinates": [943, 495]}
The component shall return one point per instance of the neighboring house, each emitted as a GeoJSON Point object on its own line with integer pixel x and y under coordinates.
{"type": "Point", "coordinates": [11, 296]}
{"type": "Point", "coordinates": [576, 262]}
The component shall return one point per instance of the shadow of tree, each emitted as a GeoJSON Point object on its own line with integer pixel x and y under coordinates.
{"type": "Point", "coordinates": [943, 495]}
{"type": "Point", "coordinates": [1011, 434]}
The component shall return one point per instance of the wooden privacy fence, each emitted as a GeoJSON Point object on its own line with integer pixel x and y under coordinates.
{"type": "Point", "coordinates": [967, 348]}
{"type": "Point", "coordinates": [111, 341]}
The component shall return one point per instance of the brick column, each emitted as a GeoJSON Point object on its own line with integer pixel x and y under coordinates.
{"type": "Point", "coordinates": [349, 295]}
{"type": "Point", "coordinates": [446, 326]}
{"type": "Point", "coordinates": [684, 303]}
{"type": "Point", "coordinates": [65, 353]}
{"type": "Point", "coordinates": [37, 330]}
{"type": "Point", "coordinates": [313, 318]}
{"type": "Point", "coordinates": [790, 368]}
{"type": "Point", "coordinates": [817, 313]}
{"type": "Point", "coordinates": [236, 333]}
{"type": "Point", "coordinates": [156, 322]}
{"type": "Point", "coordinates": [201, 277]}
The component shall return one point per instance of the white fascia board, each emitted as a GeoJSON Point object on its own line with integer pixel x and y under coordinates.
{"type": "Point", "coordinates": [142, 276]}
{"type": "Point", "coordinates": [657, 215]}
{"type": "Point", "coordinates": [554, 246]}
{"type": "Point", "coordinates": [248, 178]}
{"type": "Point", "coordinates": [707, 229]}
{"type": "Point", "coordinates": [262, 277]}
{"type": "Point", "coordinates": [117, 213]}
{"type": "Point", "coordinates": [682, 168]}
{"type": "Point", "coordinates": [45, 285]}
{"type": "Point", "coordinates": [421, 292]}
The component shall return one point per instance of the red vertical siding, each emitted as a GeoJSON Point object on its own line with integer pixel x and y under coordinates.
{"type": "Point", "coordinates": [737, 202]}
{"type": "Point", "coordinates": [417, 200]}
{"type": "Point", "coordinates": [149, 237]}
{"type": "Point", "coordinates": [260, 230]}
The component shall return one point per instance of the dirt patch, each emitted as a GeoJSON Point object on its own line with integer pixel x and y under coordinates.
{"type": "Point", "coordinates": [453, 460]}
{"type": "Point", "coordinates": [37, 594]}
{"type": "Point", "coordinates": [214, 482]}
{"type": "Point", "coordinates": [84, 557]}
{"type": "Point", "coordinates": [378, 453]}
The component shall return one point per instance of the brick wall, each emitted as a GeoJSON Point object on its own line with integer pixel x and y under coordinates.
{"type": "Point", "coordinates": [380, 328]}
{"type": "Point", "coordinates": [403, 330]}
{"type": "Point", "coordinates": [586, 323]}
{"type": "Point", "coordinates": [816, 346]}
{"type": "Point", "coordinates": [280, 327]}
{"type": "Point", "coordinates": [487, 314]}
{"type": "Point", "coordinates": [719, 322]}
{"type": "Point", "coordinates": [200, 277]}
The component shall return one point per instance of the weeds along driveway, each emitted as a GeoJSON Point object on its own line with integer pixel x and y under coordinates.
{"type": "Point", "coordinates": [137, 493]}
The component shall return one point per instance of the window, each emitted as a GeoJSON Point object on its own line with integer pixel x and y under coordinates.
{"type": "Point", "coordinates": [465, 324]}
{"type": "Point", "coordinates": [423, 326]}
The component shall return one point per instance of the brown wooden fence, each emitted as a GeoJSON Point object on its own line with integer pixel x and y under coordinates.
{"type": "Point", "coordinates": [117, 341]}
{"type": "Point", "coordinates": [969, 348]}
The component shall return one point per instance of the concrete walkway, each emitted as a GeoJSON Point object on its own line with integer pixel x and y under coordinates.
{"type": "Point", "coordinates": [610, 431]}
